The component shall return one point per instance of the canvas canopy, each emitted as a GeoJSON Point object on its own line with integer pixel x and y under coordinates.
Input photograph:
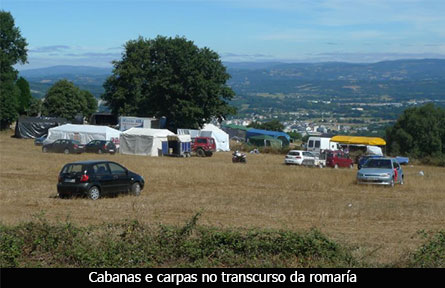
{"type": "Point", "coordinates": [277, 135]}
{"type": "Point", "coordinates": [210, 130]}
{"type": "Point", "coordinates": [35, 127]}
{"type": "Point", "coordinates": [221, 137]}
{"type": "Point", "coordinates": [359, 140]}
{"type": "Point", "coordinates": [83, 133]}
{"type": "Point", "coordinates": [374, 150]}
{"type": "Point", "coordinates": [143, 141]}
{"type": "Point", "coordinates": [266, 141]}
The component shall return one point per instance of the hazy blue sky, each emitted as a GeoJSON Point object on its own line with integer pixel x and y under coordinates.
{"type": "Point", "coordinates": [77, 32]}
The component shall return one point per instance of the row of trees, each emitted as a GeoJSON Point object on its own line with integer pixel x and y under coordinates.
{"type": "Point", "coordinates": [158, 77]}
{"type": "Point", "coordinates": [63, 98]}
{"type": "Point", "coordinates": [13, 51]}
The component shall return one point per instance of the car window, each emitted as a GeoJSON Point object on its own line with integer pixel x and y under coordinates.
{"type": "Point", "coordinates": [311, 143]}
{"type": "Point", "coordinates": [101, 169]}
{"type": "Point", "coordinates": [317, 144]}
{"type": "Point", "coordinates": [378, 163]}
{"type": "Point", "coordinates": [308, 154]}
{"type": "Point", "coordinates": [396, 165]}
{"type": "Point", "coordinates": [201, 140]}
{"type": "Point", "coordinates": [117, 169]}
{"type": "Point", "coordinates": [72, 168]}
{"type": "Point", "coordinates": [294, 153]}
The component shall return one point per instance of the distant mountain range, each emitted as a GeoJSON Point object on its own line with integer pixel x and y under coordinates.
{"type": "Point", "coordinates": [329, 79]}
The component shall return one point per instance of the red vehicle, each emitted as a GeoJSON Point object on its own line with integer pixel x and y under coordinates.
{"type": "Point", "coordinates": [338, 158]}
{"type": "Point", "coordinates": [203, 146]}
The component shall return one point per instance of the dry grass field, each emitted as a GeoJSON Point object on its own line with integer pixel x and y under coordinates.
{"type": "Point", "coordinates": [382, 223]}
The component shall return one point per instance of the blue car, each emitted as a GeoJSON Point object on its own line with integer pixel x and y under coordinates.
{"type": "Point", "coordinates": [381, 171]}
{"type": "Point", "coordinates": [39, 141]}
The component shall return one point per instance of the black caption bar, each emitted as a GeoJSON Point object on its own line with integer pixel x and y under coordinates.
{"type": "Point", "coordinates": [240, 277]}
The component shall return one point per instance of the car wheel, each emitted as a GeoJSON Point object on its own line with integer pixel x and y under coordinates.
{"type": "Point", "coordinates": [200, 153]}
{"type": "Point", "coordinates": [94, 193]}
{"type": "Point", "coordinates": [45, 150]}
{"type": "Point", "coordinates": [63, 196]}
{"type": "Point", "coordinates": [66, 151]}
{"type": "Point", "coordinates": [136, 189]}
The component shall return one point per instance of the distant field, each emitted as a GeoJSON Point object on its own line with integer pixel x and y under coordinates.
{"type": "Point", "coordinates": [381, 223]}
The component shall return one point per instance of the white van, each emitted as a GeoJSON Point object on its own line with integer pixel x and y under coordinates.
{"type": "Point", "coordinates": [316, 143]}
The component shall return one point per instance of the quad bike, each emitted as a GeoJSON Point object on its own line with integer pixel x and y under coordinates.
{"type": "Point", "coordinates": [238, 157]}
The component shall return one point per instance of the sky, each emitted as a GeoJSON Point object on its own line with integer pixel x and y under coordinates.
{"type": "Point", "coordinates": [93, 32]}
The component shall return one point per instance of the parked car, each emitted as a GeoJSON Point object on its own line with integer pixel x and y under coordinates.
{"type": "Point", "coordinates": [383, 171]}
{"type": "Point", "coordinates": [203, 146]}
{"type": "Point", "coordinates": [66, 146]}
{"type": "Point", "coordinates": [300, 157]}
{"type": "Point", "coordinates": [338, 159]}
{"type": "Point", "coordinates": [39, 141]}
{"type": "Point", "coordinates": [362, 160]}
{"type": "Point", "coordinates": [97, 178]}
{"type": "Point", "coordinates": [100, 146]}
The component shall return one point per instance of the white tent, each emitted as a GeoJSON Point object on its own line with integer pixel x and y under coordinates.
{"type": "Point", "coordinates": [82, 133]}
{"type": "Point", "coordinates": [221, 137]}
{"type": "Point", "coordinates": [210, 130]}
{"type": "Point", "coordinates": [143, 141]}
{"type": "Point", "coordinates": [374, 150]}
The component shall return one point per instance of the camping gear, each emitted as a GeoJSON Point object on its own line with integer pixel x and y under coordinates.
{"type": "Point", "coordinates": [35, 127]}
{"type": "Point", "coordinates": [83, 133]}
{"type": "Point", "coordinates": [265, 141]}
{"type": "Point", "coordinates": [143, 141]}
{"type": "Point", "coordinates": [359, 140]}
{"type": "Point", "coordinates": [285, 139]}
{"type": "Point", "coordinates": [177, 145]}
{"type": "Point", "coordinates": [211, 131]}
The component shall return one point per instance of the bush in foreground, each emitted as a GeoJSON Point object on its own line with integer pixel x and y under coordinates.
{"type": "Point", "coordinates": [131, 244]}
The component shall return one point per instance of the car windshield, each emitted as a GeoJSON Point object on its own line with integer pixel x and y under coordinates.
{"type": "Point", "coordinates": [378, 163]}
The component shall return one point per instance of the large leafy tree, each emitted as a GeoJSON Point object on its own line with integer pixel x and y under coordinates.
{"type": "Point", "coordinates": [25, 97]}
{"type": "Point", "coordinates": [91, 103]}
{"type": "Point", "coordinates": [66, 100]}
{"type": "Point", "coordinates": [13, 50]}
{"type": "Point", "coordinates": [419, 131]}
{"type": "Point", "coordinates": [169, 77]}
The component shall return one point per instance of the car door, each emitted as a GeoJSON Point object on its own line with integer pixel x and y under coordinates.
{"type": "Point", "coordinates": [104, 178]}
{"type": "Point", "coordinates": [56, 147]}
{"type": "Point", "coordinates": [343, 160]}
{"type": "Point", "coordinates": [120, 176]}
{"type": "Point", "coordinates": [88, 146]}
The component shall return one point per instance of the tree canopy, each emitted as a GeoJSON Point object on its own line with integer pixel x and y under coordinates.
{"type": "Point", "coordinates": [13, 50]}
{"type": "Point", "coordinates": [419, 132]}
{"type": "Point", "coordinates": [169, 77]}
{"type": "Point", "coordinates": [25, 97]}
{"type": "Point", "coordinates": [66, 100]}
{"type": "Point", "coordinates": [273, 125]}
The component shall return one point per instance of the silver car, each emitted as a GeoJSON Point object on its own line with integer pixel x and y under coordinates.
{"type": "Point", "coordinates": [382, 171]}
